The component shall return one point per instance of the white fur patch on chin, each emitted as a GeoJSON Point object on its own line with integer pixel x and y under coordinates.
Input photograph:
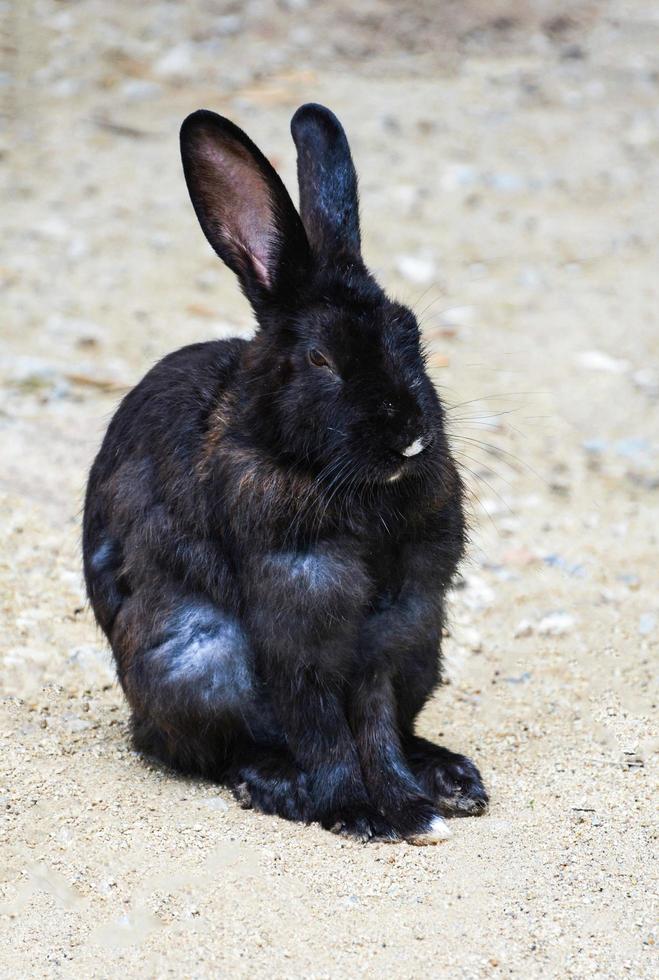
{"type": "Point", "coordinates": [438, 831]}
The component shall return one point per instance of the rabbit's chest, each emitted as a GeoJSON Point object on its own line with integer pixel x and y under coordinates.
{"type": "Point", "coordinates": [385, 566]}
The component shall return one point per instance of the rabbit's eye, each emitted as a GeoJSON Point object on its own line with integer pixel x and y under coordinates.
{"type": "Point", "coordinates": [318, 359]}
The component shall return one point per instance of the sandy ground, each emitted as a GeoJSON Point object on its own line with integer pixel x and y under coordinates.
{"type": "Point", "coordinates": [509, 160]}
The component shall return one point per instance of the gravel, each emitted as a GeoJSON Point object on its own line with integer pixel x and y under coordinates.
{"type": "Point", "coordinates": [509, 156]}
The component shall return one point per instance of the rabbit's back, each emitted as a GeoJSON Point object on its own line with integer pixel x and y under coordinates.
{"type": "Point", "coordinates": [141, 513]}
{"type": "Point", "coordinates": [167, 413]}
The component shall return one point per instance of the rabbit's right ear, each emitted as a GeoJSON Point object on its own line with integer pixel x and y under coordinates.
{"type": "Point", "coordinates": [329, 203]}
{"type": "Point", "coordinates": [244, 209]}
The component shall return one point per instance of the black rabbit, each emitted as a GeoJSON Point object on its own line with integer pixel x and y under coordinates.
{"type": "Point", "coordinates": [271, 525]}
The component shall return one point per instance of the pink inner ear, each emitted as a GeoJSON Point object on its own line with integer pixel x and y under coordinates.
{"type": "Point", "coordinates": [237, 202]}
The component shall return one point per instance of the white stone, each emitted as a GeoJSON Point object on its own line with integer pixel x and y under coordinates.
{"type": "Point", "coordinates": [178, 62]}
{"type": "Point", "coordinates": [556, 624]}
{"type": "Point", "coordinates": [523, 628]}
{"type": "Point", "coordinates": [597, 360]}
{"type": "Point", "coordinates": [419, 269]}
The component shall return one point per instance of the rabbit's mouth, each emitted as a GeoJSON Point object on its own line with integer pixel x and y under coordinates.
{"type": "Point", "coordinates": [414, 448]}
{"type": "Point", "coordinates": [406, 460]}
{"type": "Point", "coordinates": [403, 468]}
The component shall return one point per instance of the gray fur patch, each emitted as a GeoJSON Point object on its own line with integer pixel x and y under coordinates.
{"type": "Point", "coordinates": [206, 656]}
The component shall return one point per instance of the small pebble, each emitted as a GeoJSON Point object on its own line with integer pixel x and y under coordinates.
{"type": "Point", "coordinates": [506, 182]}
{"type": "Point", "coordinates": [521, 679]}
{"type": "Point", "coordinates": [229, 24]}
{"type": "Point", "coordinates": [215, 803]}
{"type": "Point", "coordinates": [574, 569]}
{"type": "Point", "coordinates": [475, 593]}
{"type": "Point", "coordinates": [633, 447]}
{"type": "Point", "coordinates": [594, 447]}
{"type": "Point", "coordinates": [647, 381]}
{"type": "Point", "coordinates": [458, 175]}
{"type": "Point", "coordinates": [597, 360]}
{"type": "Point", "coordinates": [139, 89]}
{"type": "Point", "coordinates": [556, 624]}
{"type": "Point", "coordinates": [647, 623]}
{"type": "Point", "coordinates": [419, 269]}
{"type": "Point", "coordinates": [471, 638]}
{"type": "Point", "coordinates": [523, 628]}
{"type": "Point", "coordinates": [178, 62]}
{"type": "Point", "coordinates": [459, 316]}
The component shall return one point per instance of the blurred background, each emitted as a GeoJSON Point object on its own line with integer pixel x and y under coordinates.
{"type": "Point", "coordinates": [508, 155]}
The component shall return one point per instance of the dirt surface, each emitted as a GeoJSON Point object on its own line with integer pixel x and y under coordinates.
{"type": "Point", "coordinates": [509, 161]}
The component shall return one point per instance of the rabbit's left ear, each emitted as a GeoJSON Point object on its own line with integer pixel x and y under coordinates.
{"type": "Point", "coordinates": [329, 204]}
{"type": "Point", "coordinates": [244, 209]}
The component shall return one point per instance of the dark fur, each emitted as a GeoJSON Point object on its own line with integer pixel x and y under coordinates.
{"type": "Point", "coordinates": [274, 602]}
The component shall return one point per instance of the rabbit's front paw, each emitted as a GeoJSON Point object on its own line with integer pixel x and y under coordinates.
{"type": "Point", "coordinates": [459, 789]}
{"type": "Point", "coordinates": [452, 780]}
{"type": "Point", "coordinates": [418, 821]}
{"type": "Point", "coordinates": [361, 821]}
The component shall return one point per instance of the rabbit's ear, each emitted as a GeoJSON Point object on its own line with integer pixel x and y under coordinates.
{"type": "Point", "coordinates": [243, 208]}
{"type": "Point", "coordinates": [329, 204]}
